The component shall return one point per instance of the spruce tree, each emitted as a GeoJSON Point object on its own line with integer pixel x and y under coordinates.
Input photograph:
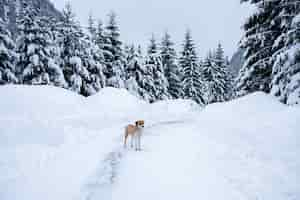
{"type": "Point", "coordinates": [100, 39]}
{"type": "Point", "coordinates": [73, 53]}
{"type": "Point", "coordinates": [34, 46]}
{"type": "Point", "coordinates": [153, 65]}
{"type": "Point", "coordinates": [285, 83]}
{"type": "Point", "coordinates": [91, 28]}
{"type": "Point", "coordinates": [7, 56]}
{"type": "Point", "coordinates": [93, 60]}
{"type": "Point", "coordinates": [216, 77]}
{"type": "Point", "coordinates": [113, 53]}
{"type": "Point", "coordinates": [261, 31]}
{"type": "Point", "coordinates": [135, 73]}
{"type": "Point", "coordinates": [192, 83]}
{"type": "Point", "coordinates": [171, 69]}
{"type": "Point", "coordinates": [131, 55]}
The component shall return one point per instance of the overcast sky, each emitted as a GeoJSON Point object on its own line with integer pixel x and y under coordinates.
{"type": "Point", "coordinates": [210, 21]}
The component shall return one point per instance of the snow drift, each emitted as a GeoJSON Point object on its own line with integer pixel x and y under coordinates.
{"type": "Point", "coordinates": [55, 144]}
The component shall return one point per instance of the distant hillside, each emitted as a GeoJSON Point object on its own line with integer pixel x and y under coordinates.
{"type": "Point", "coordinates": [237, 62]}
{"type": "Point", "coordinates": [9, 10]}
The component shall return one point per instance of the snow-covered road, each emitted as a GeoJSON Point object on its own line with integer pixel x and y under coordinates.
{"type": "Point", "coordinates": [177, 162]}
{"type": "Point", "coordinates": [193, 159]}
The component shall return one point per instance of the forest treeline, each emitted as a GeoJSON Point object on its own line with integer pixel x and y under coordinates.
{"type": "Point", "coordinates": [60, 52]}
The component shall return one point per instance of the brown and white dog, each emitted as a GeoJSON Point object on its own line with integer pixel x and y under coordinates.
{"type": "Point", "coordinates": [135, 131]}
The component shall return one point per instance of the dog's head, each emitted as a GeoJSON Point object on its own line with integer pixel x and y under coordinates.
{"type": "Point", "coordinates": [140, 123]}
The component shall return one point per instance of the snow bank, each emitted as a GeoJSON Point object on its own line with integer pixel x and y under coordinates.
{"type": "Point", "coordinates": [52, 140]}
{"type": "Point", "coordinates": [262, 145]}
{"type": "Point", "coordinates": [55, 144]}
{"type": "Point", "coordinates": [112, 102]}
{"type": "Point", "coordinates": [173, 110]}
{"type": "Point", "coordinates": [37, 102]}
{"type": "Point", "coordinates": [248, 106]}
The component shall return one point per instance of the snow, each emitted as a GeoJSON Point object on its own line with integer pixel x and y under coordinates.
{"type": "Point", "coordinates": [296, 20]}
{"type": "Point", "coordinates": [55, 144]}
{"type": "Point", "coordinates": [31, 49]}
{"type": "Point", "coordinates": [75, 61]}
{"type": "Point", "coordinates": [35, 59]}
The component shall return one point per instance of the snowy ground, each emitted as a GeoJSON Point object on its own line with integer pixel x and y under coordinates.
{"type": "Point", "coordinates": [57, 145]}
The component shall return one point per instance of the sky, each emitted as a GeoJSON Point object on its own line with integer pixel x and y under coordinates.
{"type": "Point", "coordinates": [210, 22]}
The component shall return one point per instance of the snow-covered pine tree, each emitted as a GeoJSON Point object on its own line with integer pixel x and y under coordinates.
{"type": "Point", "coordinates": [34, 46]}
{"type": "Point", "coordinates": [113, 53]}
{"type": "Point", "coordinates": [286, 70]}
{"type": "Point", "coordinates": [171, 68]}
{"type": "Point", "coordinates": [153, 63]}
{"type": "Point", "coordinates": [135, 73]}
{"type": "Point", "coordinates": [130, 69]}
{"type": "Point", "coordinates": [223, 62]}
{"type": "Point", "coordinates": [91, 28]}
{"type": "Point", "coordinates": [130, 55]}
{"type": "Point", "coordinates": [7, 56]}
{"type": "Point", "coordinates": [216, 76]}
{"type": "Point", "coordinates": [261, 30]}
{"type": "Point", "coordinates": [93, 60]}
{"type": "Point", "coordinates": [192, 83]}
{"type": "Point", "coordinates": [73, 52]}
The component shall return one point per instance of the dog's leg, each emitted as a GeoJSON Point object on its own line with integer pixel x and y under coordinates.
{"type": "Point", "coordinates": [139, 141]}
{"type": "Point", "coordinates": [136, 142]}
{"type": "Point", "coordinates": [125, 139]}
{"type": "Point", "coordinates": [131, 142]}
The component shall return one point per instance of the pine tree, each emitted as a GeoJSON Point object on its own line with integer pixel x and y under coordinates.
{"type": "Point", "coordinates": [73, 53]}
{"type": "Point", "coordinates": [100, 39]}
{"type": "Point", "coordinates": [130, 69]}
{"type": "Point", "coordinates": [153, 65]}
{"type": "Point", "coordinates": [192, 83]}
{"type": "Point", "coordinates": [216, 76]}
{"type": "Point", "coordinates": [34, 45]}
{"type": "Point", "coordinates": [227, 78]}
{"type": "Point", "coordinates": [286, 70]}
{"type": "Point", "coordinates": [261, 31]}
{"type": "Point", "coordinates": [130, 55]}
{"type": "Point", "coordinates": [171, 69]}
{"type": "Point", "coordinates": [135, 73]}
{"type": "Point", "coordinates": [113, 53]}
{"type": "Point", "coordinates": [93, 60]}
{"type": "Point", "coordinates": [7, 56]}
{"type": "Point", "coordinates": [91, 28]}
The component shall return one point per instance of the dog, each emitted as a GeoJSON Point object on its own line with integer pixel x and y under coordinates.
{"type": "Point", "coordinates": [135, 131]}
